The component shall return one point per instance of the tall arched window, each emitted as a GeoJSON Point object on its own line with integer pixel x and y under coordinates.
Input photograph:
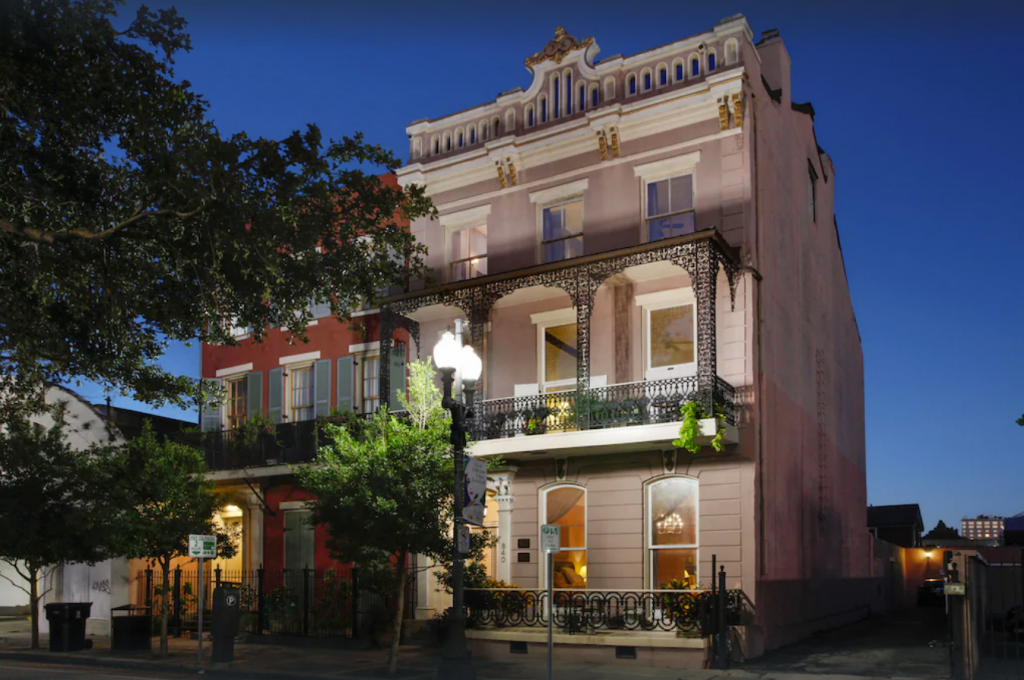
{"type": "Point", "coordinates": [595, 94]}
{"type": "Point", "coordinates": [460, 138]}
{"type": "Point", "coordinates": [566, 506]}
{"type": "Point", "coordinates": [447, 141]}
{"type": "Point", "coordinates": [529, 116]}
{"type": "Point", "coordinates": [609, 89]}
{"type": "Point", "coordinates": [543, 109]}
{"type": "Point", "coordinates": [435, 145]}
{"type": "Point", "coordinates": [671, 531]}
{"type": "Point", "coordinates": [732, 49]}
{"type": "Point", "coordinates": [647, 80]}
{"type": "Point", "coordinates": [472, 134]}
{"type": "Point", "coordinates": [679, 71]}
{"type": "Point", "coordinates": [662, 76]}
{"type": "Point", "coordinates": [711, 61]}
{"type": "Point", "coordinates": [632, 84]}
{"type": "Point", "coordinates": [483, 131]}
{"type": "Point", "coordinates": [558, 92]}
{"type": "Point", "coordinates": [694, 66]}
{"type": "Point", "coordinates": [497, 127]}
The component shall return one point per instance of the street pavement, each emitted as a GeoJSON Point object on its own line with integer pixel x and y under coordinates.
{"type": "Point", "coordinates": [877, 649]}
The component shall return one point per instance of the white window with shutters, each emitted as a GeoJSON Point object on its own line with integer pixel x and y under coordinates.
{"type": "Point", "coordinates": [299, 541]}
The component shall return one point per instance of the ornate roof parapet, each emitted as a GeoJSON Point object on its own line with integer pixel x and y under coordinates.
{"type": "Point", "coordinates": [558, 48]}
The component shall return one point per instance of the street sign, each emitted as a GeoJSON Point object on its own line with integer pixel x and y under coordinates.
{"type": "Point", "coordinates": [202, 546]}
{"type": "Point", "coordinates": [955, 589]}
{"type": "Point", "coordinates": [463, 539]}
{"type": "Point", "coordinates": [551, 538]}
{"type": "Point", "coordinates": [475, 491]}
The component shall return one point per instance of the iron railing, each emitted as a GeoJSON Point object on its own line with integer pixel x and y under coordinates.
{"type": "Point", "coordinates": [286, 443]}
{"type": "Point", "coordinates": [305, 602]}
{"type": "Point", "coordinates": [637, 403]}
{"type": "Point", "coordinates": [689, 612]}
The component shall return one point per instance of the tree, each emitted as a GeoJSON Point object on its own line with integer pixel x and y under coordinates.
{"type": "Point", "coordinates": [1020, 421]}
{"type": "Point", "coordinates": [389, 495]}
{"type": "Point", "coordinates": [127, 219]}
{"type": "Point", "coordinates": [163, 496]}
{"type": "Point", "coordinates": [50, 497]}
{"type": "Point", "coordinates": [942, 531]}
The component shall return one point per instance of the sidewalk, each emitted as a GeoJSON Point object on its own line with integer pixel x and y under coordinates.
{"type": "Point", "coordinates": [285, 662]}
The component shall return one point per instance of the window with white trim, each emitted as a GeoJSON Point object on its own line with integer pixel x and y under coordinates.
{"type": "Point", "coordinates": [467, 254]}
{"type": "Point", "coordinates": [566, 506]}
{"type": "Point", "coordinates": [301, 393]}
{"type": "Point", "coordinates": [237, 402]}
{"type": "Point", "coordinates": [370, 375]}
{"type": "Point", "coordinates": [556, 350]}
{"type": "Point", "coordinates": [670, 338]}
{"type": "Point", "coordinates": [670, 207]}
{"type": "Point", "coordinates": [671, 532]}
{"type": "Point", "coordinates": [562, 230]}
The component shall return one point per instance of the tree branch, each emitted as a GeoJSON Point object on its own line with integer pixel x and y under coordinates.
{"type": "Point", "coordinates": [45, 236]}
{"type": "Point", "coordinates": [9, 580]}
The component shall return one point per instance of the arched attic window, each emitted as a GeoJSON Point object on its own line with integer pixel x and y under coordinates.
{"type": "Point", "coordinates": [530, 116]}
{"type": "Point", "coordinates": [694, 66]}
{"type": "Point", "coordinates": [712, 61]}
{"type": "Point", "coordinates": [662, 75]}
{"type": "Point", "coordinates": [510, 121]}
{"type": "Point", "coordinates": [557, 88]}
{"type": "Point", "coordinates": [732, 50]}
{"type": "Point", "coordinates": [447, 141]}
{"type": "Point", "coordinates": [460, 138]}
{"type": "Point", "coordinates": [595, 95]}
{"type": "Point", "coordinates": [496, 124]}
{"type": "Point", "coordinates": [609, 89]}
{"type": "Point", "coordinates": [472, 134]}
{"type": "Point", "coordinates": [484, 131]}
{"type": "Point", "coordinates": [543, 108]}
{"type": "Point", "coordinates": [680, 72]}
{"type": "Point", "coordinates": [435, 145]}
{"type": "Point", "coordinates": [648, 79]}
{"type": "Point", "coordinates": [631, 84]}
{"type": "Point", "coordinates": [568, 93]}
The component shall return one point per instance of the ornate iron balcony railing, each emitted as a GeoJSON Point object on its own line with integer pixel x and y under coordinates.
{"type": "Point", "coordinates": [587, 611]}
{"type": "Point", "coordinates": [286, 443]}
{"type": "Point", "coordinates": [638, 403]}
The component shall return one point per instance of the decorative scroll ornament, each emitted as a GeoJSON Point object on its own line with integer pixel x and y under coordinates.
{"type": "Point", "coordinates": [602, 144]}
{"type": "Point", "coordinates": [723, 114]}
{"type": "Point", "coordinates": [615, 142]}
{"type": "Point", "coordinates": [558, 48]}
{"type": "Point", "coordinates": [501, 174]}
{"type": "Point", "coordinates": [512, 173]}
{"type": "Point", "coordinates": [737, 109]}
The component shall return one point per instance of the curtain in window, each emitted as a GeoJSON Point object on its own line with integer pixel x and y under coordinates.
{"type": "Point", "coordinates": [560, 501]}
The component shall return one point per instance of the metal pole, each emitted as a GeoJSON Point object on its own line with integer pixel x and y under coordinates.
{"type": "Point", "coordinates": [455, 658]}
{"type": "Point", "coordinates": [551, 614]}
{"type": "Point", "coordinates": [201, 579]}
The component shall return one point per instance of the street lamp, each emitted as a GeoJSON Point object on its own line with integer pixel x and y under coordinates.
{"type": "Point", "coordinates": [449, 357]}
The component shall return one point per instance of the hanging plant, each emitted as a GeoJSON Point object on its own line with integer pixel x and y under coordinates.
{"type": "Point", "coordinates": [689, 430]}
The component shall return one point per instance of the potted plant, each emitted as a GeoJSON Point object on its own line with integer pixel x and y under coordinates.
{"type": "Point", "coordinates": [690, 429]}
{"type": "Point", "coordinates": [537, 421]}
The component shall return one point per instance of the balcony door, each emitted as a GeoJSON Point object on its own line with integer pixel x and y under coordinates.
{"type": "Point", "coordinates": [558, 357]}
{"type": "Point", "coordinates": [670, 338]}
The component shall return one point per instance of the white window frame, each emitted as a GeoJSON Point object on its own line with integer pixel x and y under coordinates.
{"type": "Point", "coordinates": [228, 382]}
{"type": "Point", "coordinates": [664, 300]}
{"type": "Point", "coordinates": [543, 321]}
{"type": "Point", "coordinates": [667, 168]}
{"type": "Point", "coordinates": [289, 371]}
{"type": "Point", "coordinates": [459, 221]}
{"type": "Point", "coordinates": [649, 547]}
{"type": "Point", "coordinates": [361, 353]}
{"type": "Point", "coordinates": [542, 518]}
{"type": "Point", "coordinates": [554, 197]}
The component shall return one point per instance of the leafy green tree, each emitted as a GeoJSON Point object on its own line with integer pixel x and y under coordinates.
{"type": "Point", "coordinates": [160, 497]}
{"type": "Point", "coordinates": [1020, 421]}
{"type": "Point", "coordinates": [50, 498]}
{"type": "Point", "coordinates": [942, 531]}
{"type": "Point", "coordinates": [385, 497]}
{"type": "Point", "coordinates": [127, 219]}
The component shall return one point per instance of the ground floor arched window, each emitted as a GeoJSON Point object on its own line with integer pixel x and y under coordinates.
{"type": "Point", "coordinates": [671, 528]}
{"type": "Point", "coordinates": [566, 506]}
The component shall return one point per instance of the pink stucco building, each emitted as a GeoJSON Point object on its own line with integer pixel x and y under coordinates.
{"type": "Point", "coordinates": [624, 237]}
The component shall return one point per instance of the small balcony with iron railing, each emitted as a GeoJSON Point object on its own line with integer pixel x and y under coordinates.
{"type": "Point", "coordinates": [595, 354]}
{"type": "Point", "coordinates": [278, 445]}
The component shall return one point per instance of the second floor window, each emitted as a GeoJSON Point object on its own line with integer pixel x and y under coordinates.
{"type": "Point", "coordinates": [468, 255]}
{"type": "Point", "coordinates": [237, 398]}
{"type": "Point", "coordinates": [562, 231]}
{"type": "Point", "coordinates": [371, 384]}
{"type": "Point", "coordinates": [670, 207]}
{"type": "Point", "coordinates": [302, 394]}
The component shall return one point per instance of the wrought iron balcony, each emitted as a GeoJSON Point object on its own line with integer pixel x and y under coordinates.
{"type": "Point", "coordinates": [587, 611]}
{"type": "Point", "coordinates": [286, 443]}
{"type": "Point", "coordinates": [638, 403]}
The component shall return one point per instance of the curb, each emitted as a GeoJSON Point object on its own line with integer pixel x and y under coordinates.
{"type": "Point", "coordinates": [131, 664]}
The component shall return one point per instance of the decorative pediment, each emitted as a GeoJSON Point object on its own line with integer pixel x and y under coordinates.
{"type": "Point", "coordinates": [558, 48]}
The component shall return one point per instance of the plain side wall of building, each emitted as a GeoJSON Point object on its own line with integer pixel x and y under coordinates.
{"type": "Point", "coordinates": [814, 569]}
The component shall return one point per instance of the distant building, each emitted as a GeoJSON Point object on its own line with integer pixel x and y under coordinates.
{"type": "Point", "coordinates": [898, 524]}
{"type": "Point", "coordinates": [130, 422]}
{"type": "Point", "coordinates": [982, 527]}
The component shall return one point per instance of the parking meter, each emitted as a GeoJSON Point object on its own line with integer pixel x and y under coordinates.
{"type": "Point", "coordinates": [226, 615]}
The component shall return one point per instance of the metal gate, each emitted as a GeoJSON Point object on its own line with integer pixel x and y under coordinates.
{"type": "Point", "coordinates": [994, 634]}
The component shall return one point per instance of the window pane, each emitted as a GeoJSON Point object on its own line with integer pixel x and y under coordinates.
{"type": "Point", "coordinates": [478, 241]}
{"type": "Point", "coordinates": [682, 193]}
{"type": "Point", "coordinates": [566, 507]}
{"type": "Point", "coordinates": [669, 565]}
{"type": "Point", "coordinates": [560, 352]}
{"type": "Point", "coordinates": [553, 218]}
{"type": "Point", "coordinates": [671, 334]}
{"type": "Point", "coordinates": [460, 245]}
{"type": "Point", "coordinates": [667, 227]}
{"type": "Point", "coordinates": [302, 394]}
{"type": "Point", "coordinates": [573, 223]}
{"type": "Point", "coordinates": [570, 568]}
{"type": "Point", "coordinates": [657, 198]}
{"type": "Point", "coordinates": [673, 514]}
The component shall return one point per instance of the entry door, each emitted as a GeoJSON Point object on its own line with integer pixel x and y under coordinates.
{"type": "Point", "coordinates": [298, 540]}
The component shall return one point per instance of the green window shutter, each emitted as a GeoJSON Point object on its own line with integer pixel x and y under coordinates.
{"type": "Point", "coordinates": [210, 420]}
{"type": "Point", "coordinates": [346, 385]}
{"type": "Point", "coordinates": [275, 394]}
{"type": "Point", "coordinates": [298, 540]}
{"type": "Point", "coordinates": [254, 396]}
{"type": "Point", "coordinates": [322, 388]}
{"type": "Point", "coordinates": [397, 367]}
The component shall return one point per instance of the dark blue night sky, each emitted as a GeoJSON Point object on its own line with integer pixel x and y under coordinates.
{"type": "Point", "coordinates": [918, 104]}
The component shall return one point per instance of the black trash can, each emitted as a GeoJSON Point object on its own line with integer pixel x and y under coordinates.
{"type": "Point", "coordinates": [226, 615]}
{"type": "Point", "coordinates": [131, 629]}
{"type": "Point", "coordinates": [67, 625]}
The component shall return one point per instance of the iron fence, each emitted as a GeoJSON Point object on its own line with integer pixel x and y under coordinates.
{"type": "Point", "coordinates": [296, 602]}
{"type": "Point", "coordinates": [637, 403]}
{"type": "Point", "coordinates": [996, 604]}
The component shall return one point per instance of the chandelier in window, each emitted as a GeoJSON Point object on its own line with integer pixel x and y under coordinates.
{"type": "Point", "coordinates": [672, 524]}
